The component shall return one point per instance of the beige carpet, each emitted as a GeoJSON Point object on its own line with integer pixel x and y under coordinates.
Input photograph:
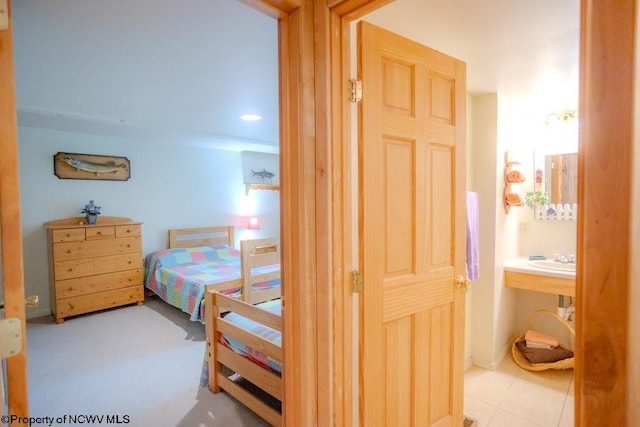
{"type": "Point", "coordinates": [140, 362]}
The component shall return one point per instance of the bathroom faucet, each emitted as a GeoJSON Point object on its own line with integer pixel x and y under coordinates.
{"type": "Point", "coordinates": [564, 258]}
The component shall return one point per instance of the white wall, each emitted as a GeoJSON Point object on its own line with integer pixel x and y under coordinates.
{"type": "Point", "coordinates": [171, 186]}
{"type": "Point", "coordinates": [493, 307]}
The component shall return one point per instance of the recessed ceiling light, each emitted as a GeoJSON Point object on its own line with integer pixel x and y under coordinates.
{"type": "Point", "coordinates": [251, 117]}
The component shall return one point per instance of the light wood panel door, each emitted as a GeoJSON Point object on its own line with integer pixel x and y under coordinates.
{"type": "Point", "coordinates": [10, 227]}
{"type": "Point", "coordinates": [412, 225]}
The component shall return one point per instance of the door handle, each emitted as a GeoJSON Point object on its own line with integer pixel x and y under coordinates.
{"type": "Point", "coordinates": [461, 282]}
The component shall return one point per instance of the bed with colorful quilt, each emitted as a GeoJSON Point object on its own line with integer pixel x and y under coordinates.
{"type": "Point", "coordinates": [201, 258]}
{"type": "Point", "coordinates": [244, 352]}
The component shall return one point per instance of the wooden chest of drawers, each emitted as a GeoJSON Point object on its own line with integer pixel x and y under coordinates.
{"type": "Point", "coordinates": [93, 267]}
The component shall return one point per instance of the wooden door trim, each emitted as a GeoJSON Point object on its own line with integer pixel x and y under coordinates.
{"type": "Point", "coordinates": [315, 207]}
{"type": "Point", "coordinates": [274, 8]}
{"type": "Point", "coordinates": [333, 73]}
{"type": "Point", "coordinates": [10, 224]}
{"type": "Point", "coordinates": [607, 378]}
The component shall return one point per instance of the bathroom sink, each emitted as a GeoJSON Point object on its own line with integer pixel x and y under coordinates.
{"type": "Point", "coordinates": [553, 265]}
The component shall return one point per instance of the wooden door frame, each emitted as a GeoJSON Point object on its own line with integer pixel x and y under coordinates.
{"type": "Point", "coordinates": [315, 167]}
{"type": "Point", "coordinates": [607, 296]}
{"type": "Point", "coordinates": [10, 224]}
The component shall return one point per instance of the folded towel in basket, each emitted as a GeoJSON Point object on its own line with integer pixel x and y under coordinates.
{"type": "Point", "coordinates": [533, 344]}
{"type": "Point", "coordinates": [543, 355]}
{"type": "Point", "coordinates": [540, 340]}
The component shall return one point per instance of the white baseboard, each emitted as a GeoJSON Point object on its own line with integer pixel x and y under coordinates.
{"type": "Point", "coordinates": [491, 365]}
{"type": "Point", "coordinates": [468, 362]}
{"type": "Point", "coordinates": [32, 313]}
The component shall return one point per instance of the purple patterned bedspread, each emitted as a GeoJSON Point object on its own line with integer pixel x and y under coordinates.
{"type": "Point", "coordinates": [179, 275]}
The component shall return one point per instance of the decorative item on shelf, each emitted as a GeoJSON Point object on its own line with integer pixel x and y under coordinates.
{"type": "Point", "coordinates": [512, 199]}
{"type": "Point", "coordinates": [540, 202]}
{"type": "Point", "coordinates": [91, 212]}
{"type": "Point", "coordinates": [512, 175]}
{"type": "Point", "coordinates": [260, 171]}
{"type": "Point", "coordinates": [265, 177]}
{"type": "Point", "coordinates": [253, 224]}
{"type": "Point", "coordinates": [538, 179]}
{"type": "Point", "coordinates": [536, 198]}
{"type": "Point", "coordinates": [263, 174]}
{"type": "Point", "coordinates": [567, 212]}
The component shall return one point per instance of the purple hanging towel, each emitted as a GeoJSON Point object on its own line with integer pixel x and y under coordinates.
{"type": "Point", "coordinates": [473, 236]}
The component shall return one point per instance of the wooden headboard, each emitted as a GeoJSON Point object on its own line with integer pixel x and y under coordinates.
{"type": "Point", "coordinates": [202, 236]}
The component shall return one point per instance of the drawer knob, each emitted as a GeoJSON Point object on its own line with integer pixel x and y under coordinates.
{"type": "Point", "coordinates": [68, 251]}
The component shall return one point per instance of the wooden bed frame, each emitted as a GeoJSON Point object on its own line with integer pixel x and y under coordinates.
{"type": "Point", "coordinates": [256, 253]}
{"type": "Point", "coordinates": [201, 236]}
{"type": "Point", "coordinates": [219, 355]}
{"type": "Point", "coordinates": [253, 252]}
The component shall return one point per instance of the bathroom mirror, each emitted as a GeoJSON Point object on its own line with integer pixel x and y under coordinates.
{"type": "Point", "coordinates": [556, 158]}
{"type": "Point", "coordinates": [560, 175]}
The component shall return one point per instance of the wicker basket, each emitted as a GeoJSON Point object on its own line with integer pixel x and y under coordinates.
{"type": "Point", "coordinates": [522, 361]}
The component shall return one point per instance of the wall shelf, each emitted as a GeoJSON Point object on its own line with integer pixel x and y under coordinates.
{"type": "Point", "coordinates": [273, 187]}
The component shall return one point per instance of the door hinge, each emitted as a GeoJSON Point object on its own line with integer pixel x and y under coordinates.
{"type": "Point", "coordinates": [356, 282]}
{"type": "Point", "coordinates": [4, 14]}
{"type": "Point", "coordinates": [355, 90]}
{"type": "Point", "coordinates": [10, 337]}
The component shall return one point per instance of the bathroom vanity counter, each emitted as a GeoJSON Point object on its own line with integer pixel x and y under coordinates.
{"type": "Point", "coordinates": [518, 273]}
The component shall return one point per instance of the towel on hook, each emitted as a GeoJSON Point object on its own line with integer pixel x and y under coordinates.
{"type": "Point", "coordinates": [514, 176]}
{"type": "Point", "coordinates": [473, 236]}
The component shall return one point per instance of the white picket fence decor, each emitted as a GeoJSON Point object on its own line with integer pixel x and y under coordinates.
{"type": "Point", "coordinates": [566, 212]}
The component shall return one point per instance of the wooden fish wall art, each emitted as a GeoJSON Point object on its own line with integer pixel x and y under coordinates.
{"type": "Point", "coordinates": [91, 166]}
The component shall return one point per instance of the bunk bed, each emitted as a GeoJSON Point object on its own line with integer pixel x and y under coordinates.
{"type": "Point", "coordinates": [205, 257]}
{"type": "Point", "coordinates": [260, 265]}
{"type": "Point", "coordinates": [244, 352]}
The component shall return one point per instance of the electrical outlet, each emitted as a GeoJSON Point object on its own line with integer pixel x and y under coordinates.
{"type": "Point", "coordinates": [524, 226]}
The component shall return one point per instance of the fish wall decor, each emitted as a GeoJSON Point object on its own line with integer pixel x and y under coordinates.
{"type": "Point", "coordinates": [264, 174]}
{"type": "Point", "coordinates": [91, 166]}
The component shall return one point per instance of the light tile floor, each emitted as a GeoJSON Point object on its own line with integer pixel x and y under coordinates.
{"type": "Point", "coordinates": [513, 397]}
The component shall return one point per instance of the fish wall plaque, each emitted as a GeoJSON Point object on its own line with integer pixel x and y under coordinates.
{"type": "Point", "coordinates": [91, 166]}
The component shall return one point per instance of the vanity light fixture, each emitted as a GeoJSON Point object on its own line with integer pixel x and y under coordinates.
{"type": "Point", "coordinates": [564, 116]}
{"type": "Point", "coordinates": [251, 117]}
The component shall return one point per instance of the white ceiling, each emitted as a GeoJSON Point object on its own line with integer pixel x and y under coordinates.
{"type": "Point", "coordinates": [175, 71]}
